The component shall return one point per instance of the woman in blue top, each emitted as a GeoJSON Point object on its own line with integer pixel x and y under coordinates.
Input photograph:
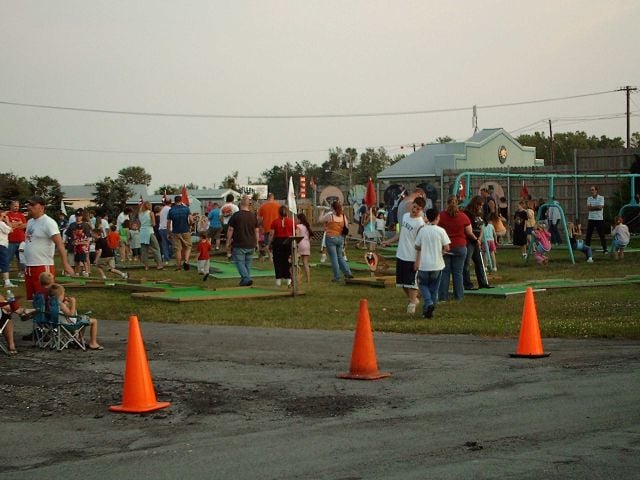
{"type": "Point", "coordinates": [148, 239]}
{"type": "Point", "coordinates": [215, 225]}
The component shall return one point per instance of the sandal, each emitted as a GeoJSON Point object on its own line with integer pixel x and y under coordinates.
{"type": "Point", "coordinates": [13, 352]}
{"type": "Point", "coordinates": [99, 347]}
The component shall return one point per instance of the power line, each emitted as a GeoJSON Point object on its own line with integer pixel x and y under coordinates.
{"type": "Point", "coordinates": [305, 116]}
{"type": "Point", "coordinates": [134, 152]}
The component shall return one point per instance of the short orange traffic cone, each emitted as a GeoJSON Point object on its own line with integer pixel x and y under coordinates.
{"type": "Point", "coordinates": [138, 393]}
{"type": "Point", "coordinates": [530, 343]}
{"type": "Point", "coordinates": [364, 365]}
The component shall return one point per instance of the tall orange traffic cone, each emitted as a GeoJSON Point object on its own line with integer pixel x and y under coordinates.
{"type": "Point", "coordinates": [530, 343]}
{"type": "Point", "coordinates": [138, 393]}
{"type": "Point", "coordinates": [364, 365]}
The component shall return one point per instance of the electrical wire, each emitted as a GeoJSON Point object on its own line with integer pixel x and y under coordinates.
{"type": "Point", "coordinates": [306, 116]}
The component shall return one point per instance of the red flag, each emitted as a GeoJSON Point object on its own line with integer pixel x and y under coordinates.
{"type": "Point", "coordinates": [524, 193]}
{"type": "Point", "coordinates": [185, 196]}
{"type": "Point", "coordinates": [461, 190]}
{"type": "Point", "coordinates": [370, 195]}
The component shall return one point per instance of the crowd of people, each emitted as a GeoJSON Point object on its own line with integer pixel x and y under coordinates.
{"type": "Point", "coordinates": [435, 249]}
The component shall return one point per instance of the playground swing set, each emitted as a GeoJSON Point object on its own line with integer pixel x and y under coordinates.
{"type": "Point", "coordinates": [467, 176]}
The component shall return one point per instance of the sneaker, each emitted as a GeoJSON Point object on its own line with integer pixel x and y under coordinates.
{"type": "Point", "coordinates": [8, 284]}
{"type": "Point", "coordinates": [411, 308]}
{"type": "Point", "coordinates": [278, 282]}
{"type": "Point", "coordinates": [204, 278]}
{"type": "Point", "coordinates": [85, 274]}
{"type": "Point", "coordinates": [606, 252]}
{"type": "Point", "coordinates": [186, 266]}
{"type": "Point", "coordinates": [428, 313]}
{"type": "Point", "coordinates": [125, 276]}
{"type": "Point", "coordinates": [349, 276]}
{"type": "Point", "coordinates": [323, 258]}
{"type": "Point", "coordinates": [525, 256]}
{"type": "Point", "coordinates": [104, 277]}
{"type": "Point", "coordinates": [495, 269]}
{"type": "Point", "coordinates": [589, 260]}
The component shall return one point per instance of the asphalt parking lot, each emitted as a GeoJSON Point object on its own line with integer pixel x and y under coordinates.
{"type": "Point", "coordinates": [266, 403]}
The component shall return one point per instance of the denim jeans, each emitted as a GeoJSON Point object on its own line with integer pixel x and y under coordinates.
{"type": "Point", "coordinates": [473, 255]}
{"type": "Point", "coordinates": [453, 265]}
{"type": "Point", "coordinates": [334, 249]}
{"type": "Point", "coordinates": [429, 283]}
{"type": "Point", "coordinates": [242, 258]}
{"type": "Point", "coordinates": [165, 244]}
{"type": "Point", "coordinates": [13, 253]}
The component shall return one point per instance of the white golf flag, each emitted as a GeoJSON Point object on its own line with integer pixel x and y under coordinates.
{"type": "Point", "coordinates": [63, 208]}
{"type": "Point", "coordinates": [291, 198]}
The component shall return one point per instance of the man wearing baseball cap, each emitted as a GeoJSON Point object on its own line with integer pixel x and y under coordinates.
{"type": "Point", "coordinates": [42, 238]}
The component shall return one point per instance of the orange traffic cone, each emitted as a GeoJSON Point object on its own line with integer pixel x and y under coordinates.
{"type": "Point", "coordinates": [139, 395]}
{"type": "Point", "coordinates": [364, 365]}
{"type": "Point", "coordinates": [530, 343]}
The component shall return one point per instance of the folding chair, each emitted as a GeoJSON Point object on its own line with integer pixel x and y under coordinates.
{"type": "Point", "coordinates": [69, 329]}
{"type": "Point", "coordinates": [43, 326]}
{"type": "Point", "coordinates": [3, 323]}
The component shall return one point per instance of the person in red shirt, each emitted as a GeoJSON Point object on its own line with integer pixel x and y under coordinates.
{"type": "Point", "coordinates": [113, 238]}
{"type": "Point", "coordinates": [458, 227]}
{"type": "Point", "coordinates": [204, 246]}
{"type": "Point", "coordinates": [281, 228]}
{"type": "Point", "coordinates": [18, 222]}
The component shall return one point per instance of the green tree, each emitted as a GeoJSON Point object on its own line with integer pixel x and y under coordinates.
{"type": "Point", "coordinates": [169, 189]}
{"type": "Point", "coordinates": [371, 163]}
{"type": "Point", "coordinates": [445, 139]}
{"type": "Point", "coordinates": [49, 189]}
{"type": "Point", "coordinates": [134, 176]}
{"type": "Point", "coordinates": [231, 181]}
{"type": "Point", "coordinates": [13, 188]}
{"type": "Point", "coordinates": [111, 196]}
{"type": "Point", "coordinates": [635, 140]}
{"type": "Point", "coordinates": [565, 142]}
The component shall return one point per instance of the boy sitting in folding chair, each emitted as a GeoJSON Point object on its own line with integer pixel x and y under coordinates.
{"type": "Point", "coordinates": [70, 315]}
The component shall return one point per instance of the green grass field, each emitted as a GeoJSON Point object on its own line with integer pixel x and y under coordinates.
{"type": "Point", "coordinates": [601, 311]}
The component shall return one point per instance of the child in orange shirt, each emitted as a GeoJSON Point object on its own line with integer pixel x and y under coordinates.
{"type": "Point", "coordinates": [113, 238]}
{"type": "Point", "coordinates": [203, 255]}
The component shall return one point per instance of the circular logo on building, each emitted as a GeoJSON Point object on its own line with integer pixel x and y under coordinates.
{"type": "Point", "coordinates": [502, 154]}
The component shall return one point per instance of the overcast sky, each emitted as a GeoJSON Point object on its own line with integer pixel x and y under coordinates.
{"type": "Point", "coordinates": [296, 58]}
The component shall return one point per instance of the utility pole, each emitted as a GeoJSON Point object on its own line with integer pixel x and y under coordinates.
{"type": "Point", "coordinates": [628, 89]}
{"type": "Point", "coordinates": [551, 155]}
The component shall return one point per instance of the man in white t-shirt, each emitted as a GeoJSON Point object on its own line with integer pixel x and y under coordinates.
{"type": "Point", "coordinates": [410, 224]}
{"type": "Point", "coordinates": [431, 242]}
{"type": "Point", "coordinates": [42, 239]}
{"type": "Point", "coordinates": [595, 219]}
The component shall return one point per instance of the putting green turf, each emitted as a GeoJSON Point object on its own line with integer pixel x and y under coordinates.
{"type": "Point", "coordinates": [540, 285]}
{"type": "Point", "coordinates": [190, 294]}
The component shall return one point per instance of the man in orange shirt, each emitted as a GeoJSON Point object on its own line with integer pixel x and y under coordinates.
{"type": "Point", "coordinates": [267, 213]}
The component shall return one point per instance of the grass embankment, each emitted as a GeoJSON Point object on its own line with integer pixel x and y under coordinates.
{"type": "Point", "coordinates": [606, 311]}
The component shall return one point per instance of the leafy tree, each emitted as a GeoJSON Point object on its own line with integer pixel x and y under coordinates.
{"type": "Point", "coordinates": [49, 189]}
{"type": "Point", "coordinates": [111, 196]}
{"type": "Point", "coordinates": [635, 140]}
{"type": "Point", "coordinates": [13, 188]}
{"type": "Point", "coordinates": [231, 181]}
{"type": "Point", "coordinates": [565, 143]}
{"type": "Point", "coordinates": [445, 139]}
{"type": "Point", "coordinates": [371, 163]}
{"type": "Point", "coordinates": [170, 189]}
{"type": "Point", "coordinates": [134, 176]}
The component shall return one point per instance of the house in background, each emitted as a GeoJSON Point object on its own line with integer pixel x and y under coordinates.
{"type": "Point", "coordinates": [82, 196]}
{"type": "Point", "coordinates": [200, 201]}
{"type": "Point", "coordinates": [489, 148]}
